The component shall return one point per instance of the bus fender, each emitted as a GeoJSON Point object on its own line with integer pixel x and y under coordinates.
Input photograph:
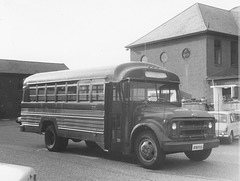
{"type": "Point", "coordinates": [155, 127]}
{"type": "Point", "coordinates": [45, 122]}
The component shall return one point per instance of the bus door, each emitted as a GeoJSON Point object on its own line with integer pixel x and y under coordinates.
{"type": "Point", "coordinates": [114, 116]}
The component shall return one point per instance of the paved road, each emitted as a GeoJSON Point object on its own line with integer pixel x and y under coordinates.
{"type": "Point", "coordinates": [80, 163]}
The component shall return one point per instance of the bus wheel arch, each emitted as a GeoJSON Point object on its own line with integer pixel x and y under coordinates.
{"type": "Point", "coordinates": [138, 129]}
{"type": "Point", "coordinates": [45, 123]}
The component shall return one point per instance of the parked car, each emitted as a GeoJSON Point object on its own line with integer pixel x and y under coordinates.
{"type": "Point", "coordinates": [10, 172]}
{"type": "Point", "coordinates": [227, 125]}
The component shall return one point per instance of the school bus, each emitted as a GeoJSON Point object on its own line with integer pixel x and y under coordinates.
{"type": "Point", "coordinates": [131, 108]}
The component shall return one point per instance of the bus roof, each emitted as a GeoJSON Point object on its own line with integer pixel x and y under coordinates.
{"type": "Point", "coordinates": [130, 70]}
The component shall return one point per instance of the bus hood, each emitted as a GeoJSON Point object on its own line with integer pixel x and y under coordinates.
{"type": "Point", "coordinates": [169, 112]}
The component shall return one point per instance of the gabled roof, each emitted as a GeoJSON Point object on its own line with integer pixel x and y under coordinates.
{"type": "Point", "coordinates": [196, 19]}
{"type": "Point", "coordinates": [27, 67]}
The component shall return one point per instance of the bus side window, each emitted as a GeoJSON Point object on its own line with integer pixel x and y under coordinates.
{"type": "Point", "coordinates": [97, 92]}
{"type": "Point", "coordinates": [33, 93]}
{"type": "Point", "coordinates": [51, 92]}
{"type": "Point", "coordinates": [41, 93]}
{"type": "Point", "coordinates": [83, 93]}
{"type": "Point", "coordinates": [72, 91]}
{"type": "Point", "coordinates": [60, 93]}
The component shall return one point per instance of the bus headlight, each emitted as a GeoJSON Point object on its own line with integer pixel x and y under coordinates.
{"type": "Point", "coordinates": [210, 125]}
{"type": "Point", "coordinates": [174, 126]}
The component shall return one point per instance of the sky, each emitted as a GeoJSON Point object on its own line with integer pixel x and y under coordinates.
{"type": "Point", "coordinates": [83, 33]}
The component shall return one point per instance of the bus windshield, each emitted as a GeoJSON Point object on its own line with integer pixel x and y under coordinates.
{"type": "Point", "coordinates": [154, 92]}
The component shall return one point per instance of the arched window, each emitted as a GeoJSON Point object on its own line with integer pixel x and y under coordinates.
{"type": "Point", "coordinates": [144, 58]}
{"type": "Point", "coordinates": [163, 57]}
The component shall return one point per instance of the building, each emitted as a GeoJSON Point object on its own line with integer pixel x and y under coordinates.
{"type": "Point", "coordinates": [12, 73]}
{"type": "Point", "coordinates": [201, 46]}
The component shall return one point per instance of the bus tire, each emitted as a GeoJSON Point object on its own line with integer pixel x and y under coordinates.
{"type": "Point", "coordinates": [198, 155]}
{"type": "Point", "coordinates": [148, 150]}
{"type": "Point", "coordinates": [53, 142]}
{"type": "Point", "coordinates": [230, 138]}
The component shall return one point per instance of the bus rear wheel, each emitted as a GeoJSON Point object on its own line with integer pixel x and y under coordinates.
{"type": "Point", "coordinates": [148, 151]}
{"type": "Point", "coordinates": [54, 142]}
{"type": "Point", "coordinates": [198, 155]}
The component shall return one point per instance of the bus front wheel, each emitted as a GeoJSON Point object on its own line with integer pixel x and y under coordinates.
{"type": "Point", "coordinates": [54, 142]}
{"type": "Point", "coordinates": [148, 151]}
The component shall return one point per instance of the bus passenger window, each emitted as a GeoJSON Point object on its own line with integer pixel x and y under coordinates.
{"type": "Point", "coordinates": [84, 93]}
{"type": "Point", "coordinates": [33, 94]}
{"type": "Point", "coordinates": [60, 93]}
{"type": "Point", "coordinates": [72, 93]}
{"type": "Point", "coordinates": [97, 93]}
{"type": "Point", "coordinates": [50, 93]}
{"type": "Point", "coordinates": [41, 94]}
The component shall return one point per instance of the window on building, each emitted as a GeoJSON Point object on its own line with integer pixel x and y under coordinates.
{"type": "Point", "coordinates": [217, 52]}
{"type": "Point", "coordinates": [144, 58]}
{"type": "Point", "coordinates": [236, 92]}
{"type": "Point", "coordinates": [163, 57]}
{"type": "Point", "coordinates": [226, 92]}
{"type": "Point", "coordinates": [234, 53]}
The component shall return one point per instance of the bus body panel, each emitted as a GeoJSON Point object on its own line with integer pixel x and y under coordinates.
{"type": "Point", "coordinates": [77, 121]}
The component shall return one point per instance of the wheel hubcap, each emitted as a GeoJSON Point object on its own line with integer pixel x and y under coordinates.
{"type": "Point", "coordinates": [148, 150]}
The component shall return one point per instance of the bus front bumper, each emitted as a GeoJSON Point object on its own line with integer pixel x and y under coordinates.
{"type": "Point", "coordinates": [183, 146]}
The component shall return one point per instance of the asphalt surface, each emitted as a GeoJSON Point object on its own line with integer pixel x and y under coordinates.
{"type": "Point", "coordinates": [80, 163]}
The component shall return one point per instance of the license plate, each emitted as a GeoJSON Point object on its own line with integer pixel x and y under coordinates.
{"type": "Point", "coordinates": [196, 147]}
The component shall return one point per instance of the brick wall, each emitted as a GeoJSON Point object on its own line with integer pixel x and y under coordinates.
{"type": "Point", "coordinates": [191, 71]}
